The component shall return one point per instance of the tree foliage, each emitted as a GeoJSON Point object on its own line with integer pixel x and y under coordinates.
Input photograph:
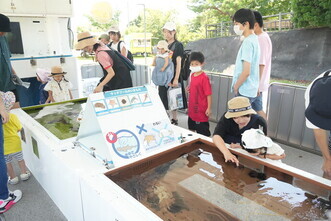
{"type": "Point", "coordinates": [308, 13]}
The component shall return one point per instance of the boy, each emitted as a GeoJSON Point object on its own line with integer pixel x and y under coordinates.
{"type": "Point", "coordinates": [264, 63]}
{"type": "Point", "coordinates": [246, 74]}
{"type": "Point", "coordinates": [199, 89]}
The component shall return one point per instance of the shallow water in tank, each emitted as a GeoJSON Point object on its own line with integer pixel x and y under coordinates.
{"type": "Point", "coordinates": [201, 186]}
{"type": "Point", "coordinates": [62, 119]}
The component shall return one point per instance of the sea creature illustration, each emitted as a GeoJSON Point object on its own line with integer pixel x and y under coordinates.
{"type": "Point", "coordinates": [145, 97]}
{"type": "Point", "coordinates": [126, 143]}
{"type": "Point", "coordinates": [134, 100]}
{"type": "Point", "coordinates": [99, 105]}
{"type": "Point", "coordinates": [165, 133]}
{"type": "Point", "coordinates": [149, 138]}
{"type": "Point", "coordinates": [125, 148]}
{"type": "Point", "coordinates": [112, 103]}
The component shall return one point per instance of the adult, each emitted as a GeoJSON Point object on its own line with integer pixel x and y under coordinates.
{"type": "Point", "coordinates": [104, 38]}
{"type": "Point", "coordinates": [116, 73]}
{"type": "Point", "coordinates": [177, 51]}
{"type": "Point", "coordinates": [239, 118]}
{"type": "Point", "coordinates": [264, 64]}
{"type": "Point", "coordinates": [7, 199]}
{"type": "Point", "coordinates": [116, 43]}
{"type": "Point", "coordinates": [6, 69]}
{"type": "Point", "coordinates": [246, 73]}
{"type": "Point", "coordinates": [318, 116]}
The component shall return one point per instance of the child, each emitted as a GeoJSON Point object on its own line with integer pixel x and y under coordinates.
{"type": "Point", "coordinates": [59, 87]}
{"type": "Point", "coordinates": [163, 71]}
{"type": "Point", "coordinates": [257, 144]}
{"type": "Point", "coordinates": [199, 89]}
{"type": "Point", "coordinates": [246, 74]}
{"type": "Point", "coordinates": [42, 76]}
{"type": "Point", "coordinates": [12, 142]}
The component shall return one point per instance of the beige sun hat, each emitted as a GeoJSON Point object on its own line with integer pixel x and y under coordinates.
{"type": "Point", "coordinates": [56, 70]}
{"type": "Point", "coordinates": [85, 39]}
{"type": "Point", "coordinates": [170, 26]}
{"type": "Point", "coordinates": [114, 28]}
{"type": "Point", "coordinates": [162, 44]}
{"type": "Point", "coordinates": [239, 106]}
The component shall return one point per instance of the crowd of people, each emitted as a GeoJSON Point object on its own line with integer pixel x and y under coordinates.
{"type": "Point", "coordinates": [244, 125]}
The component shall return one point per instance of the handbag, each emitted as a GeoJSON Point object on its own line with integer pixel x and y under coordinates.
{"type": "Point", "coordinates": [175, 98]}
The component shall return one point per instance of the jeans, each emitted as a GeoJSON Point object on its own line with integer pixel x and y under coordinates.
{"type": "Point", "coordinates": [3, 168]}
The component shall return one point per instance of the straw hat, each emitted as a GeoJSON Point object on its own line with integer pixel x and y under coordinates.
{"type": "Point", "coordinates": [170, 26]}
{"type": "Point", "coordinates": [255, 138]}
{"type": "Point", "coordinates": [162, 44]}
{"type": "Point", "coordinates": [239, 106]}
{"type": "Point", "coordinates": [85, 39]}
{"type": "Point", "coordinates": [114, 28]}
{"type": "Point", "coordinates": [57, 70]}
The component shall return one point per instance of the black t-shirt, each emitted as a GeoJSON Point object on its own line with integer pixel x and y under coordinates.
{"type": "Point", "coordinates": [178, 50]}
{"type": "Point", "coordinates": [230, 132]}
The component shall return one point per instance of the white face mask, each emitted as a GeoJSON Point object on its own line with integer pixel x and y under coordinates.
{"type": "Point", "coordinates": [236, 29]}
{"type": "Point", "coordinates": [195, 68]}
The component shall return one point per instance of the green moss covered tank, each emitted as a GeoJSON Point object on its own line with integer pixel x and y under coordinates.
{"type": "Point", "coordinates": [61, 119]}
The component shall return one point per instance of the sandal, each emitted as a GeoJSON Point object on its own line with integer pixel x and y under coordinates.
{"type": "Point", "coordinates": [175, 122]}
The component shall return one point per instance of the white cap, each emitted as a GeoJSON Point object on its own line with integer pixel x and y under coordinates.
{"type": "Point", "coordinates": [255, 138]}
{"type": "Point", "coordinates": [113, 28]}
{"type": "Point", "coordinates": [170, 26]}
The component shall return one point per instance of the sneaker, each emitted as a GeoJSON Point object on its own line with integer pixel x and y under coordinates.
{"type": "Point", "coordinates": [25, 176]}
{"type": "Point", "coordinates": [175, 122]}
{"type": "Point", "coordinates": [12, 199]}
{"type": "Point", "coordinates": [13, 181]}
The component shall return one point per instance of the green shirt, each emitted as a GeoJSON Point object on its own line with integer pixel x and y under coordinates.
{"type": "Point", "coordinates": [6, 83]}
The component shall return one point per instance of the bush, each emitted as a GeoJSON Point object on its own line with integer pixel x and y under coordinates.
{"type": "Point", "coordinates": [311, 13]}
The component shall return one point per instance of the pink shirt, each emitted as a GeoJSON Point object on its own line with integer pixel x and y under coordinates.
{"type": "Point", "coordinates": [265, 59]}
{"type": "Point", "coordinates": [200, 88]}
{"type": "Point", "coordinates": [103, 57]}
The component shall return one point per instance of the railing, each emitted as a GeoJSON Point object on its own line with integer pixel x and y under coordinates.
{"type": "Point", "coordinates": [278, 22]}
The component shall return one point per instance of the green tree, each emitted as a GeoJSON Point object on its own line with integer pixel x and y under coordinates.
{"type": "Point", "coordinates": [308, 13]}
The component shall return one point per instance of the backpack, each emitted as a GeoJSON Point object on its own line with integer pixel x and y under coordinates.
{"type": "Point", "coordinates": [129, 55]}
{"type": "Point", "coordinates": [185, 69]}
{"type": "Point", "coordinates": [185, 64]}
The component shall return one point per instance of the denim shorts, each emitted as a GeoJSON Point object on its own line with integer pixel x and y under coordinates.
{"type": "Point", "coordinates": [256, 102]}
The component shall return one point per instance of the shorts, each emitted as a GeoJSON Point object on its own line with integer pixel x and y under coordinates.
{"type": "Point", "coordinates": [256, 102]}
{"type": "Point", "coordinates": [16, 95]}
{"type": "Point", "coordinates": [163, 93]}
{"type": "Point", "coordinates": [199, 127]}
{"type": "Point", "coordinates": [17, 156]}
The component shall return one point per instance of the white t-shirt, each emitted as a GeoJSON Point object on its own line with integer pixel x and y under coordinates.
{"type": "Point", "coordinates": [275, 149]}
{"type": "Point", "coordinates": [265, 59]}
{"type": "Point", "coordinates": [114, 46]}
{"type": "Point", "coordinates": [308, 123]}
{"type": "Point", "coordinates": [60, 90]}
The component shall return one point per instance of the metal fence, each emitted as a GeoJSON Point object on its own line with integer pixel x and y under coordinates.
{"type": "Point", "coordinates": [278, 22]}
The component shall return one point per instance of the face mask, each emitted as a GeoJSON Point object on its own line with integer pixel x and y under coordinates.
{"type": "Point", "coordinates": [195, 68]}
{"type": "Point", "coordinates": [237, 30]}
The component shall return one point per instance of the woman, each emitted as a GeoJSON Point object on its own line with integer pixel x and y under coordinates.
{"type": "Point", "coordinates": [177, 49]}
{"type": "Point", "coordinates": [116, 73]}
{"type": "Point", "coordinates": [239, 118]}
{"type": "Point", "coordinates": [116, 43]}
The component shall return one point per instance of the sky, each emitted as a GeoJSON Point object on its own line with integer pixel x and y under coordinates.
{"type": "Point", "coordinates": [130, 9]}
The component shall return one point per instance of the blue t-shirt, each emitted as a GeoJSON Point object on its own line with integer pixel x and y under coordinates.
{"type": "Point", "coordinates": [249, 52]}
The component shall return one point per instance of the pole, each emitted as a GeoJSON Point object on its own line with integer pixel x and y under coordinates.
{"type": "Point", "coordinates": [145, 34]}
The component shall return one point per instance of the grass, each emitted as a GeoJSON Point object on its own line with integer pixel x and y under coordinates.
{"type": "Point", "coordinates": [299, 83]}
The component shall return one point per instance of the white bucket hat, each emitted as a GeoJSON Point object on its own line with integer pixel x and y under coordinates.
{"type": "Point", "coordinates": [170, 26]}
{"type": "Point", "coordinates": [255, 138]}
{"type": "Point", "coordinates": [162, 44]}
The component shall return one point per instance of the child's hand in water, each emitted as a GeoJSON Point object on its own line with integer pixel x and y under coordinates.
{"type": "Point", "coordinates": [235, 145]}
{"type": "Point", "coordinates": [232, 158]}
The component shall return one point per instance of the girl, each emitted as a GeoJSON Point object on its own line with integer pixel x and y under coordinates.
{"type": "Point", "coordinates": [116, 73]}
{"type": "Point", "coordinates": [42, 77]}
{"type": "Point", "coordinates": [177, 52]}
{"type": "Point", "coordinates": [59, 87]}
{"type": "Point", "coordinates": [116, 43]}
{"type": "Point", "coordinates": [164, 70]}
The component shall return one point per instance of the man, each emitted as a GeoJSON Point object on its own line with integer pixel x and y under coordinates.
{"type": "Point", "coordinates": [6, 69]}
{"type": "Point", "coordinates": [264, 64]}
{"type": "Point", "coordinates": [246, 74]}
{"type": "Point", "coordinates": [318, 116]}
